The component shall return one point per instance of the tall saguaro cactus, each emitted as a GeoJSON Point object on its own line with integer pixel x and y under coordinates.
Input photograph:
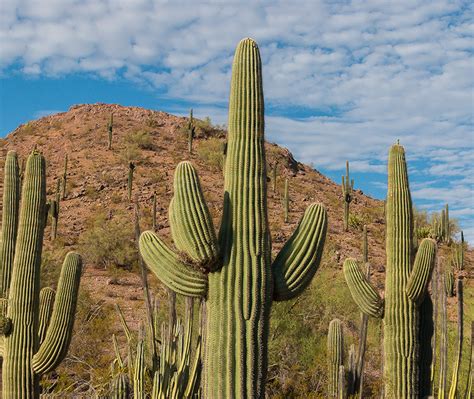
{"type": "Point", "coordinates": [347, 188]}
{"type": "Point", "coordinates": [405, 285]}
{"type": "Point", "coordinates": [191, 131]}
{"type": "Point", "coordinates": [27, 350]}
{"type": "Point", "coordinates": [235, 274]}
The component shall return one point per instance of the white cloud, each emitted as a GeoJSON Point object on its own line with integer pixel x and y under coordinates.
{"type": "Point", "coordinates": [362, 74]}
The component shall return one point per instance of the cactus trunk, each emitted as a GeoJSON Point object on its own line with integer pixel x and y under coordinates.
{"type": "Point", "coordinates": [401, 314]}
{"type": "Point", "coordinates": [335, 356]}
{"type": "Point", "coordinates": [457, 363]}
{"type": "Point", "coordinates": [235, 274]}
{"type": "Point", "coordinates": [238, 306]}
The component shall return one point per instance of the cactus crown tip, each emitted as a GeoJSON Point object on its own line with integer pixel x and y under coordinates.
{"type": "Point", "coordinates": [249, 40]}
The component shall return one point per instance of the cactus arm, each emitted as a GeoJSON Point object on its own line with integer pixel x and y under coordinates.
{"type": "Point", "coordinates": [11, 206]}
{"type": "Point", "coordinates": [421, 274]}
{"type": "Point", "coordinates": [56, 343]}
{"type": "Point", "coordinates": [169, 269]}
{"type": "Point", "coordinates": [46, 308]}
{"type": "Point", "coordinates": [363, 293]}
{"type": "Point", "coordinates": [191, 223]}
{"type": "Point", "coordinates": [299, 259]}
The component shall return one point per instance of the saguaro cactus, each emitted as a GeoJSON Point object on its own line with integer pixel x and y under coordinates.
{"type": "Point", "coordinates": [449, 282]}
{"type": "Point", "coordinates": [64, 179]}
{"type": "Point", "coordinates": [347, 188]}
{"type": "Point", "coordinates": [453, 390]}
{"type": "Point", "coordinates": [458, 254]}
{"type": "Point", "coordinates": [28, 352]}
{"type": "Point", "coordinates": [235, 274]}
{"type": "Point", "coordinates": [443, 347]}
{"type": "Point", "coordinates": [335, 355]}
{"type": "Point", "coordinates": [110, 128]}
{"type": "Point", "coordinates": [131, 169]}
{"type": "Point", "coordinates": [191, 131]}
{"type": "Point", "coordinates": [405, 285]}
{"type": "Point", "coordinates": [286, 201]}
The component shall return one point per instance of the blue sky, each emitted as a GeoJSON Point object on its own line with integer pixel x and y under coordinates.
{"type": "Point", "coordinates": [343, 80]}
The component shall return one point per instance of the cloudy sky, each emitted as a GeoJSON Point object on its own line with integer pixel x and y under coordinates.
{"type": "Point", "coordinates": [343, 80]}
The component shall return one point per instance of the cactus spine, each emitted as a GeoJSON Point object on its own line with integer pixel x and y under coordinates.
{"type": "Point", "coordinates": [347, 188]}
{"type": "Point", "coordinates": [131, 169]}
{"type": "Point", "coordinates": [191, 131]}
{"type": "Point", "coordinates": [24, 358]}
{"type": "Point", "coordinates": [286, 201]}
{"type": "Point", "coordinates": [238, 278]}
{"type": "Point", "coordinates": [453, 390]}
{"type": "Point", "coordinates": [64, 179]}
{"type": "Point", "coordinates": [405, 285]}
{"type": "Point", "coordinates": [110, 127]}
{"type": "Point", "coordinates": [335, 350]}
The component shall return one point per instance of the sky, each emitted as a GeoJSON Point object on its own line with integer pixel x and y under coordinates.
{"type": "Point", "coordinates": [342, 79]}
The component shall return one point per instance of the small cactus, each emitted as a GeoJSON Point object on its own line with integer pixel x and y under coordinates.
{"type": "Point", "coordinates": [347, 189]}
{"type": "Point", "coordinates": [64, 179]}
{"type": "Point", "coordinates": [449, 282]}
{"type": "Point", "coordinates": [110, 127]}
{"type": "Point", "coordinates": [131, 169]}
{"type": "Point", "coordinates": [458, 254]}
{"type": "Point", "coordinates": [274, 176]}
{"type": "Point", "coordinates": [286, 201]}
{"type": "Point", "coordinates": [191, 131]}
{"type": "Point", "coordinates": [335, 351]}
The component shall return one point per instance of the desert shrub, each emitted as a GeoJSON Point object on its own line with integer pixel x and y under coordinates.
{"type": "Point", "coordinates": [109, 242]}
{"type": "Point", "coordinates": [130, 153]}
{"type": "Point", "coordinates": [141, 139]}
{"type": "Point", "coordinates": [210, 151]}
{"type": "Point", "coordinates": [26, 130]}
{"type": "Point", "coordinates": [356, 221]}
{"type": "Point", "coordinates": [86, 369]}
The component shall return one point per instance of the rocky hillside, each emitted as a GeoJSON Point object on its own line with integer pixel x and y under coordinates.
{"type": "Point", "coordinates": [96, 209]}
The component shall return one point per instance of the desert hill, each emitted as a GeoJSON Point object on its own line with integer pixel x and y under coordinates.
{"type": "Point", "coordinates": [96, 218]}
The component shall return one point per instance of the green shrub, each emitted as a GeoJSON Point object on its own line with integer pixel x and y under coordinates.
{"type": "Point", "coordinates": [210, 151]}
{"type": "Point", "coordinates": [141, 139]}
{"type": "Point", "coordinates": [356, 222]}
{"type": "Point", "coordinates": [130, 153]}
{"type": "Point", "coordinates": [109, 242]}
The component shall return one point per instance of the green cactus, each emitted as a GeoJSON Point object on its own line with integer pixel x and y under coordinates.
{"type": "Point", "coordinates": [447, 227]}
{"type": "Point", "coordinates": [110, 127]}
{"type": "Point", "coordinates": [25, 359]}
{"type": "Point", "coordinates": [405, 285]}
{"type": "Point", "coordinates": [468, 392]}
{"type": "Point", "coordinates": [64, 179]}
{"type": "Point", "coordinates": [131, 169]}
{"type": "Point", "coordinates": [11, 210]}
{"type": "Point", "coordinates": [54, 212]}
{"type": "Point", "coordinates": [154, 225]}
{"type": "Point", "coordinates": [286, 202]}
{"type": "Point", "coordinates": [458, 254]}
{"type": "Point", "coordinates": [347, 189]}
{"type": "Point", "coordinates": [237, 284]}
{"type": "Point", "coordinates": [449, 282]}
{"type": "Point", "coordinates": [453, 390]}
{"type": "Point", "coordinates": [191, 131]}
{"type": "Point", "coordinates": [443, 348]}
{"type": "Point", "coordinates": [274, 176]}
{"type": "Point", "coordinates": [335, 351]}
